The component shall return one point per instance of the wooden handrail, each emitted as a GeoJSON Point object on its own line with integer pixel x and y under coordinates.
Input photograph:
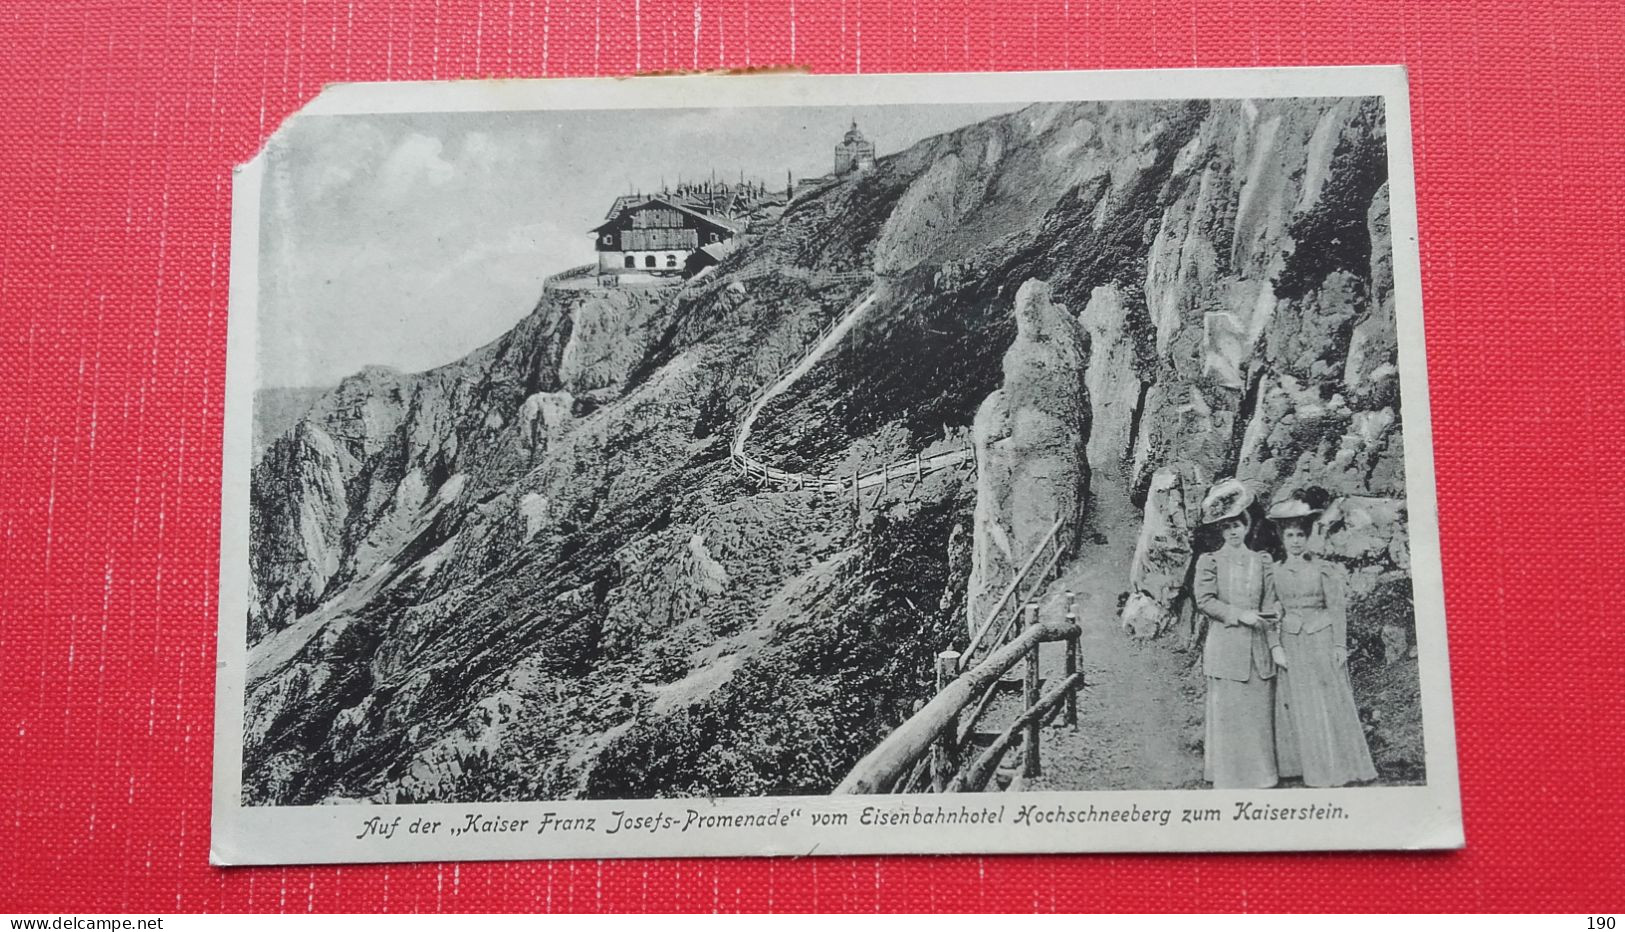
{"type": "Point", "coordinates": [1049, 566]}
{"type": "Point", "coordinates": [976, 774]}
{"type": "Point", "coordinates": [987, 696]}
{"type": "Point", "coordinates": [1010, 591]}
{"type": "Point", "coordinates": [576, 271]}
{"type": "Point", "coordinates": [904, 469]}
{"type": "Point", "coordinates": [892, 758]}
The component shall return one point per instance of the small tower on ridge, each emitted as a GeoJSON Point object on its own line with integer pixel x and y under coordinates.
{"type": "Point", "coordinates": [855, 153]}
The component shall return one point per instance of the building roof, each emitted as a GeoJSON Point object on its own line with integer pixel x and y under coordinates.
{"type": "Point", "coordinates": [621, 203]}
{"type": "Point", "coordinates": [703, 218]}
{"type": "Point", "coordinates": [720, 251]}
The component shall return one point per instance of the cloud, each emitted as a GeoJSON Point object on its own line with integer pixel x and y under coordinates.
{"type": "Point", "coordinates": [415, 163]}
{"type": "Point", "coordinates": [329, 157]}
{"type": "Point", "coordinates": [484, 154]}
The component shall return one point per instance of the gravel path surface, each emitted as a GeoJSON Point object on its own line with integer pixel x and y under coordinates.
{"type": "Point", "coordinates": [1141, 711]}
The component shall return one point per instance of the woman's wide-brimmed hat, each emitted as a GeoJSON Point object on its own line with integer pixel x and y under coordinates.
{"type": "Point", "coordinates": [1226, 499]}
{"type": "Point", "coordinates": [1292, 509]}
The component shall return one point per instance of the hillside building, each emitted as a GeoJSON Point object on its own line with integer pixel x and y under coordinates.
{"type": "Point", "coordinates": [654, 236]}
{"type": "Point", "coordinates": [854, 153]}
{"type": "Point", "coordinates": [664, 234]}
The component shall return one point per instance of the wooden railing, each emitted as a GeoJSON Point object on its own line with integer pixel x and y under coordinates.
{"type": "Point", "coordinates": [558, 280]}
{"type": "Point", "coordinates": [902, 470]}
{"type": "Point", "coordinates": [1040, 567]}
{"type": "Point", "coordinates": [929, 751]}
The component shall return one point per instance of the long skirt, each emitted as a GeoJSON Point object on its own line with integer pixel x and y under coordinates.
{"type": "Point", "coordinates": [1240, 741]}
{"type": "Point", "coordinates": [1317, 727]}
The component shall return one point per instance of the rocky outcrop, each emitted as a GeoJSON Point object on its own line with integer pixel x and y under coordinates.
{"type": "Point", "coordinates": [543, 420]}
{"type": "Point", "coordinates": [277, 411]}
{"type": "Point", "coordinates": [344, 490]}
{"type": "Point", "coordinates": [993, 553]}
{"type": "Point", "coordinates": [309, 505]}
{"type": "Point", "coordinates": [1370, 364]}
{"type": "Point", "coordinates": [1297, 439]}
{"type": "Point", "coordinates": [1368, 535]}
{"type": "Point", "coordinates": [1164, 550]}
{"type": "Point", "coordinates": [1114, 375]}
{"type": "Point", "coordinates": [610, 332]}
{"type": "Point", "coordinates": [1031, 447]}
{"type": "Point", "coordinates": [1265, 180]}
{"type": "Point", "coordinates": [1266, 349]}
{"type": "Point", "coordinates": [348, 487]}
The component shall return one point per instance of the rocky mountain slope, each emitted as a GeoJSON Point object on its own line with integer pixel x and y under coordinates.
{"type": "Point", "coordinates": [276, 410]}
{"type": "Point", "coordinates": [532, 573]}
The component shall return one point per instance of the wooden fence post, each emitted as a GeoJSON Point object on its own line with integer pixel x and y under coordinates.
{"type": "Point", "coordinates": [945, 752]}
{"type": "Point", "coordinates": [1055, 542]}
{"type": "Point", "coordinates": [1071, 661]}
{"type": "Point", "coordinates": [1031, 769]}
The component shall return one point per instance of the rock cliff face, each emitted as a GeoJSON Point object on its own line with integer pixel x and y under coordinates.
{"type": "Point", "coordinates": [1264, 347]}
{"type": "Point", "coordinates": [532, 573]}
{"type": "Point", "coordinates": [346, 488]}
{"type": "Point", "coordinates": [1164, 550]}
{"type": "Point", "coordinates": [1031, 435]}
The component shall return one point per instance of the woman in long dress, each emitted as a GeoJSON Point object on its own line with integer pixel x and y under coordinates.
{"type": "Point", "coordinates": [1318, 732]}
{"type": "Point", "coordinates": [1233, 587]}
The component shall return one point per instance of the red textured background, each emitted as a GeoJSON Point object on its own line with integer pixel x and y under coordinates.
{"type": "Point", "coordinates": [119, 124]}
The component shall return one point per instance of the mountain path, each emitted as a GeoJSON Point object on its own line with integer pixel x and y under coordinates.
{"type": "Point", "coordinates": [769, 475]}
{"type": "Point", "coordinates": [819, 350]}
{"type": "Point", "coordinates": [1138, 709]}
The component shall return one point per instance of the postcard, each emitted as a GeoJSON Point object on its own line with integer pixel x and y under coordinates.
{"type": "Point", "coordinates": [780, 464]}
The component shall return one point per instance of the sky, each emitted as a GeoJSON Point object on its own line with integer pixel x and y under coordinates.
{"type": "Point", "coordinates": [408, 240]}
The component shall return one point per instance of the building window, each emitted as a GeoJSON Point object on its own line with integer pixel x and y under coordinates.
{"type": "Point", "coordinates": [609, 239]}
{"type": "Point", "coordinates": [648, 262]}
{"type": "Point", "coordinates": [631, 262]}
{"type": "Point", "coordinates": [671, 262]}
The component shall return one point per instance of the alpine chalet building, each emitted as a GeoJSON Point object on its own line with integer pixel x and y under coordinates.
{"type": "Point", "coordinates": [654, 236]}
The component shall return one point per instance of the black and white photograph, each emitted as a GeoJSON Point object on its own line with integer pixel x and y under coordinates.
{"type": "Point", "coordinates": [783, 464]}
